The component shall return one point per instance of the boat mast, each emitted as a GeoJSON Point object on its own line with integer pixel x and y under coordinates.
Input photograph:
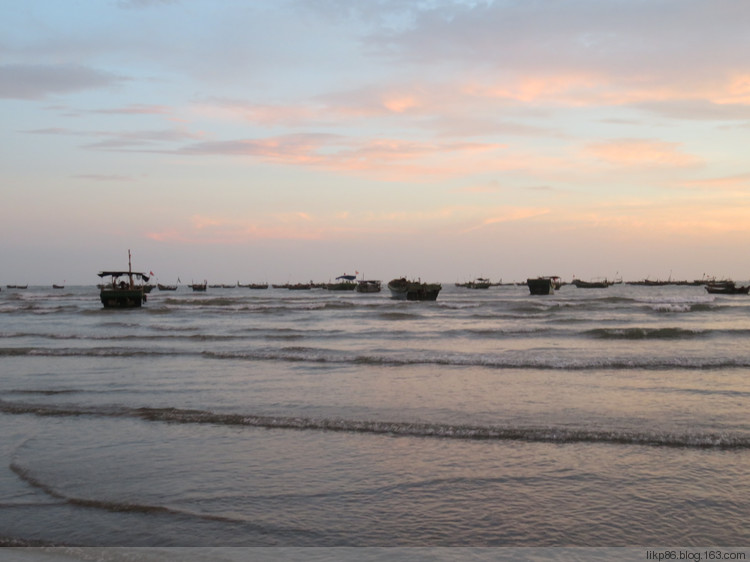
{"type": "Point", "coordinates": [130, 270]}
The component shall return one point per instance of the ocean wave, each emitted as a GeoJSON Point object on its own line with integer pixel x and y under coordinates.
{"type": "Point", "coordinates": [48, 392]}
{"type": "Point", "coordinates": [504, 360]}
{"type": "Point", "coordinates": [671, 307]}
{"type": "Point", "coordinates": [637, 333]}
{"type": "Point", "coordinates": [538, 361]}
{"type": "Point", "coordinates": [560, 435]}
{"type": "Point", "coordinates": [90, 352]}
{"type": "Point", "coordinates": [108, 505]}
{"type": "Point", "coordinates": [396, 315]}
{"type": "Point", "coordinates": [640, 333]}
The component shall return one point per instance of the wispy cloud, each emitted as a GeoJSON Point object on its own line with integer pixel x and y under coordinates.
{"type": "Point", "coordinates": [163, 139]}
{"type": "Point", "coordinates": [509, 214]}
{"type": "Point", "coordinates": [38, 81]}
{"type": "Point", "coordinates": [105, 177]}
{"type": "Point", "coordinates": [740, 182]}
{"type": "Point", "coordinates": [641, 153]}
{"type": "Point", "coordinates": [135, 109]}
{"type": "Point", "coordinates": [337, 152]}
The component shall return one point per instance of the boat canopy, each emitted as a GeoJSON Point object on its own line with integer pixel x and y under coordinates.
{"type": "Point", "coordinates": [122, 273]}
{"type": "Point", "coordinates": [347, 277]}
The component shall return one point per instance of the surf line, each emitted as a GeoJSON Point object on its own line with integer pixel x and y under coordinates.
{"type": "Point", "coordinates": [396, 429]}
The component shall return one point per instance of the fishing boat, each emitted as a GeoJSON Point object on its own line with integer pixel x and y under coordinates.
{"type": "Point", "coordinates": [402, 289]}
{"type": "Point", "coordinates": [727, 288]}
{"type": "Point", "coordinates": [478, 283]}
{"type": "Point", "coordinates": [543, 285]}
{"type": "Point", "coordinates": [199, 287]}
{"type": "Point", "coordinates": [55, 286]}
{"type": "Point", "coordinates": [123, 291]}
{"type": "Point", "coordinates": [257, 286]}
{"type": "Point", "coordinates": [163, 287]}
{"type": "Point", "coordinates": [344, 283]}
{"type": "Point", "coordinates": [368, 286]}
{"type": "Point", "coordinates": [591, 284]}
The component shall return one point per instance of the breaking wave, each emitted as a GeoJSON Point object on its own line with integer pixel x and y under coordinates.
{"type": "Point", "coordinates": [541, 360]}
{"type": "Point", "coordinates": [404, 429]}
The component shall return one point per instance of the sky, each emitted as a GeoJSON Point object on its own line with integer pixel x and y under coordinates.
{"type": "Point", "coordinates": [295, 140]}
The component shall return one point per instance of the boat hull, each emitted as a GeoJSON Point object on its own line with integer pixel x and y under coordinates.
{"type": "Point", "coordinates": [368, 287]}
{"type": "Point", "coordinates": [540, 286]}
{"type": "Point", "coordinates": [591, 284]}
{"type": "Point", "coordinates": [122, 298]}
{"type": "Point", "coordinates": [413, 290]}
{"type": "Point", "coordinates": [727, 289]}
{"type": "Point", "coordinates": [346, 286]}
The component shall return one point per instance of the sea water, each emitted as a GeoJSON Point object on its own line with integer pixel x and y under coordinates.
{"type": "Point", "coordinates": [489, 418]}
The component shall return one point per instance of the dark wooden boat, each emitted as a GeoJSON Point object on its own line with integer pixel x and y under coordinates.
{"type": "Point", "coordinates": [163, 287]}
{"type": "Point", "coordinates": [543, 285]}
{"type": "Point", "coordinates": [123, 291]}
{"type": "Point", "coordinates": [199, 287]}
{"type": "Point", "coordinates": [591, 284]}
{"type": "Point", "coordinates": [478, 283]}
{"type": "Point", "coordinates": [54, 286]}
{"type": "Point", "coordinates": [368, 286]}
{"type": "Point", "coordinates": [727, 288]}
{"type": "Point", "coordinates": [344, 283]}
{"type": "Point", "coordinates": [252, 285]}
{"type": "Point", "coordinates": [402, 289]}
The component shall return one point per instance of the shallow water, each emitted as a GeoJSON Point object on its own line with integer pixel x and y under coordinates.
{"type": "Point", "coordinates": [238, 417]}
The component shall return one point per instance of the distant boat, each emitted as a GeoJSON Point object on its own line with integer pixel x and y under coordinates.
{"type": "Point", "coordinates": [368, 286]}
{"type": "Point", "coordinates": [122, 291]}
{"type": "Point", "coordinates": [591, 284]}
{"type": "Point", "coordinates": [300, 287]}
{"type": "Point", "coordinates": [543, 285]}
{"type": "Point", "coordinates": [253, 285]}
{"type": "Point", "coordinates": [402, 289]}
{"type": "Point", "coordinates": [17, 286]}
{"type": "Point", "coordinates": [727, 288]}
{"type": "Point", "coordinates": [199, 287]}
{"type": "Point", "coordinates": [478, 283]}
{"type": "Point", "coordinates": [345, 283]}
{"type": "Point", "coordinates": [54, 286]}
{"type": "Point", "coordinates": [163, 287]}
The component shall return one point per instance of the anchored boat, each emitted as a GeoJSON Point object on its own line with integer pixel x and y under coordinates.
{"type": "Point", "coordinates": [125, 289]}
{"type": "Point", "coordinates": [543, 285]}
{"type": "Point", "coordinates": [402, 289]}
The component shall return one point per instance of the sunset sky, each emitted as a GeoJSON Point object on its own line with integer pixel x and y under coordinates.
{"type": "Point", "coordinates": [290, 140]}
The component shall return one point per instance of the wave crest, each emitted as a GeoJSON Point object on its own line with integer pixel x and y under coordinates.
{"type": "Point", "coordinates": [398, 428]}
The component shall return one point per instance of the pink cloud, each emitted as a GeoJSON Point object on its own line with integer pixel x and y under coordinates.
{"type": "Point", "coordinates": [641, 153]}
{"type": "Point", "coordinates": [385, 157]}
{"type": "Point", "coordinates": [262, 114]}
{"type": "Point", "coordinates": [739, 182]}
